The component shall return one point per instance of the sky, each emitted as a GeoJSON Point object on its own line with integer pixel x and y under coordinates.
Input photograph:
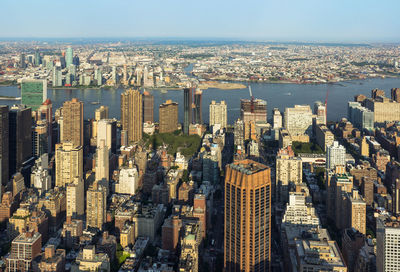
{"type": "Point", "coordinates": [279, 20]}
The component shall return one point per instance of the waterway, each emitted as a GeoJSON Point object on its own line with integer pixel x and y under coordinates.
{"type": "Point", "coordinates": [277, 96]}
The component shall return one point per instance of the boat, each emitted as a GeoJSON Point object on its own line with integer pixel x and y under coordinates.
{"type": "Point", "coordinates": [95, 102]}
{"type": "Point", "coordinates": [164, 91]}
{"type": "Point", "coordinates": [288, 93]}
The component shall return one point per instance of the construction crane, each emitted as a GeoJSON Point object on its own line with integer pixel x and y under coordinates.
{"type": "Point", "coordinates": [326, 106]}
{"type": "Point", "coordinates": [252, 99]}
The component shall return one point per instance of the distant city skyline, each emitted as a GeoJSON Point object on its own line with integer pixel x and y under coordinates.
{"type": "Point", "coordinates": [311, 20]}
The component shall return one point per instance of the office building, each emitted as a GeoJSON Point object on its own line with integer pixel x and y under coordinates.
{"type": "Point", "coordinates": [168, 118]}
{"type": "Point", "coordinates": [187, 109]}
{"type": "Point", "coordinates": [359, 116]}
{"type": "Point", "coordinates": [238, 132]}
{"type": "Point", "coordinates": [289, 172]}
{"type": "Point", "coordinates": [148, 107]}
{"type": "Point", "coordinates": [33, 93]}
{"type": "Point", "coordinates": [300, 212]}
{"type": "Point", "coordinates": [96, 205]}
{"type": "Point", "coordinates": [218, 113]}
{"type": "Point", "coordinates": [131, 115]}
{"type": "Point", "coordinates": [4, 145]}
{"type": "Point", "coordinates": [76, 198]}
{"type": "Point", "coordinates": [22, 61]}
{"type": "Point", "coordinates": [72, 122]}
{"type": "Point", "coordinates": [197, 111]}
{"type": "Point", "coordinates": [24, 249]}
{"type": "Point", "coordinates": [335, 155]}
{"type": "Point", "coordinates": [387, 244]}
{"type": "Point", "coordinates": [40, 139]}
{"type": "Point", "coordinates": [69, 163]}
{"type": "Point", "coordinates": [247, 241]}
{"type": "Point", "coordinates": [20, 137]}
{"type": "Point", "coordinates": [298, 120]}
{"type": "Point", "coordinates": [57, 77]}
{"type": "Point", "coordinates": [40, 178]}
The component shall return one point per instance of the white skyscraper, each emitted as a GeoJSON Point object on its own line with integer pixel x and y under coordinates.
{"type": "Point", "coordinates": [102, 162]}
{"type": "Point", "coordinates": [387, 244]}
{"type": "Point", "coordinates": [105, 132]}
{"type": "Point", "coordinates": [335, 155]}
{"type": "Point", "coordinates": [298, 212]}
{"type": "Point", "coordinates": [218, 113]}
{"type": "Point", "coordinates": [76, 198]}
{"type": "Point", "coordinates": [128, 181]}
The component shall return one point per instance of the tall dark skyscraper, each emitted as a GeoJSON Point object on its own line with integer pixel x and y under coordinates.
{"type": "Point", "coordinates": [187, 109]}
{"type": "Point", "coordinates": [4, 146]}
{"type": "Point", "coordinates": [148, 107]}
{"type": "Point", "coordinates": [38, 59]}
{"type": "Point", "coordinates": [20, 137]}
{"type": "Point", "coordinates": [247, 233]}
{"type": "Point", "coordinates": [22, 63]}
{"type": "Point", "coordinates": [197, 115]}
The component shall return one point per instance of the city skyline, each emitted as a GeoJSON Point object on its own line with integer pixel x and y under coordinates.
{"type": "Point", "coordinates": [335, 21]}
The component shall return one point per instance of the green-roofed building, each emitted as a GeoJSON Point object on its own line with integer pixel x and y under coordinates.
{"type": "Point", "coordinates": [33, 93]}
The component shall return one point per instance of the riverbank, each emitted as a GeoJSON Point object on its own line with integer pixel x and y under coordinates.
{"type": "Point", "coordinates": [221, 85]}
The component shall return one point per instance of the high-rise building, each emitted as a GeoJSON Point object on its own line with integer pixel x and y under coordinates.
{"type": "Point", "coordinates": [335, 155]}
{"type": "Point", "coordinates": [168, 118]}
{"type": "Point", "coordinates": [96, 205]}
{"type": "Point", "coordinates": [320, 113]}
{"type": "Point", "coordinates": [72, 122]}
{"type": "Point", "coordinates": [4, 145]}
{"type": "Point", "coordinates": [40, 176]}
{"type": "Point", "coordinates": [289, 172]}
{"type": "Point", "coordinates": [298, 120]}
{"type": "Point", "coordinates": [148, 107]}
{"type": "Point", "coordinates": [24, 249]}
{"type": "Point", "coordinates": [384, 109]}
{"type": "Point", "coordinates": [33, 92]}
{"type": "Point", "coordinates": [128, 181]}
{"type": "Point", "coordinates": [57, 77]}
{"type": "Point", "coordinates": [69, 56]}
{"type": "Point", "coordinates": [197, 111]}
{"type": "Point", "coordinates": [69, 163]}
{"type": "Point", "coordinates": [247, 235]}
{"type": "Point", "coordinates": [218, 113]}
{"type": "Point", "coordinates": [22, 62]}
{"type": "Point", "coordinates": [107, 131]}
{"type": "Point", "coordinates": [40, 138]}
{"type": "Point", "coordinates": [253, 110]}
{"type": "Point", "coordinates": [99, 114]}
{"type": "Point", "coordinates": [20, 137]}
{"type": "Point", "coordinates": [387, 244]}
{"type": "Point", "coordinates": [277, 119]}
{"type": "Point", "coordinates": [324, 137]}
{"type": "Point", "coordinates": [76, 198]}
{"type": "Point", "coordinates": [102, 162]}
{"type": "Point", "coordinates": [131, 114]}
{"type": "Point", "coordinates": [187, 109]}
{"type": "Point", "coordinates": [38, 59]}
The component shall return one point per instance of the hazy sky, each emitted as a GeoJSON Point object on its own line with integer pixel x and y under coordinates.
{"type": "Point", "coordinates": [280, 20]}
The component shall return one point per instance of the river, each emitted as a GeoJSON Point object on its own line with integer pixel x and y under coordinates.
{"type": "Point", "coordinates": [277, 96]}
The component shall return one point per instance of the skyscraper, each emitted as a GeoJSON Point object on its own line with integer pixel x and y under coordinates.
{"type": "Point", "coordinates": [69, 163]}
{"type": "Point", "coordinates": [253, 110]}
{"type": "Point", "coordinates": [22, 63]}
{"type": "Point", "coordinates": [247, 235]}
{"type": "Point", "coordinates": [218, 113]}
{"type": "Point", "coordinates": [33, 92]}
{"type": "Point", "coordinates": [102, 161]}
{"type": "Point", "coordinates": [148, 107]}
{"type": "Point", "coordinates": [335, 155]}
{"type": "Point", "coordinates": [4, 146]}
{"type": "Point", "coordinates": [197, 112]}
{"type": "Point", "coordinates": [57, 77]}
{"type": "Point", "coordinates": [187, 109]}
{"type": "Point", "coordinates": [168, 118]}
{"type": "Point", "coordinates": [387, 244]}
{"type": "Point", "coordinates": [20, 137]}
{"type": "Point", "coordinates": [69, 56]}
{"type": "Point", "coordinates": [76, 198]}
{"type": "Point", "coordinates": [107, 132]}
{"type": "Point", "coordinates": [72, 122]}
{"type": "Point", "coordinates": [38, 59]}
{"type": "Point", "coordinates": [277, 119]}
{"type": "Point", "coordinates": [96, 206]}
{"type": "Point", "coordinates": [131, 114]}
